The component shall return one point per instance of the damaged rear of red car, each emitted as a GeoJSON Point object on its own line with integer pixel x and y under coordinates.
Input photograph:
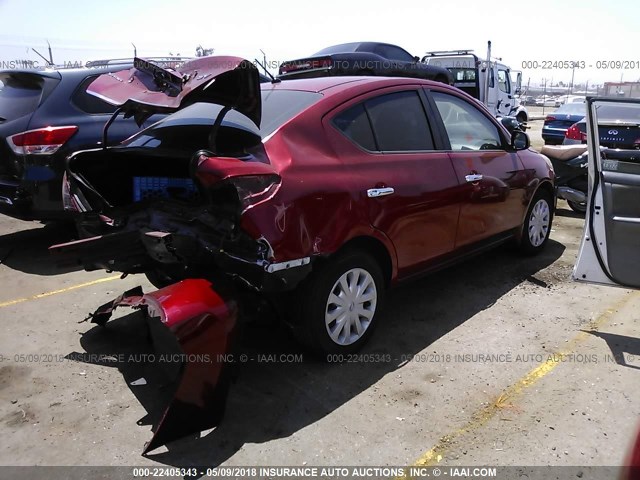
{"type": "Point", "coordinates": [329, 189]}
{"type": "Point", "coordinates": [173, 213]}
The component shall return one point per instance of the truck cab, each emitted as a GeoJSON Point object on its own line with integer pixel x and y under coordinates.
{"type": "Point", "coordinates": [491, 82]}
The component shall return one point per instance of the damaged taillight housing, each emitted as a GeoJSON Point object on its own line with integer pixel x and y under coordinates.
{"type": "Point", "coordinates": [251, 190]}
{"type": "Point", "coordinates": [70, 197]}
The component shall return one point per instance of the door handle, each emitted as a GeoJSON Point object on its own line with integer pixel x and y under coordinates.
{"type": "Point", "coordinates": [379, 192]}
{"type": "Point", "coordinates": [475, 177]}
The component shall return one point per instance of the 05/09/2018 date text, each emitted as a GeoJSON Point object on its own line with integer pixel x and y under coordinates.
{"type": "Point", "coordinates": [580, 64]}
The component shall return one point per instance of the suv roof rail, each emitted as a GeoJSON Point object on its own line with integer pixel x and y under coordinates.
{"type": "Point", "coordinates": [126, 61]}
{"type": "Point", "coordinates": [440, 53]}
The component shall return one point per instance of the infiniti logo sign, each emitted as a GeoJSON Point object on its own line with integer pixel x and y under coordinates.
{"type": "Point", "coordinates": [613, 132]}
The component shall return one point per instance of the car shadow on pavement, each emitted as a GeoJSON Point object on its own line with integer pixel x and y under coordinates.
{"type": "Point", "coordinates": [623, 348]}
{"type": "Point", "coordinates": [281, 390]}
{"type": "Point", "coordinates": [27, 250]}
{"type": "Point", "coordinates": [567, 212]}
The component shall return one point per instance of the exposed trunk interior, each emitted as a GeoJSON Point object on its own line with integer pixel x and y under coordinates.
{"type": "Point", "coordinates": [126, 176]}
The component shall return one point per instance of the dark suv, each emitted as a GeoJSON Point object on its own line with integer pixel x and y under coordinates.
{"type": "Point", "coordinates": [44, 116]}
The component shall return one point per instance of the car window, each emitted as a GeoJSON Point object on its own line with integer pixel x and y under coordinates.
{"type": "Point", "coordinates": [463, 74]}
{"type": "Point", "coordinates": [503, 81]}
{"type": "Point", "coordinates": [354, 123]}
{"type": "Point", "coordinates": [89, 103]}
{"type": "Point", "coordinates": [399, 122]}
{"type": "Point", "coordinates": [18, 98]}
{"type": "Point", "coordinates": [393, 53]}
{"type": "Point", "coordinates": [467, 128]}
{"type": "Point", "coordinates": [395, 122]}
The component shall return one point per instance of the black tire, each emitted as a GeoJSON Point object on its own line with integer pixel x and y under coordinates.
{"type": "Point", "coordinates": [577, 207]}
{"type": "Point", "coordinates": [310, 327]}
{"type": "Point", "coordinates": [534, 220]}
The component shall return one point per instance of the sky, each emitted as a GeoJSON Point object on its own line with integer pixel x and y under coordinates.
{"type": "Point", "coordinates": [533, 34]}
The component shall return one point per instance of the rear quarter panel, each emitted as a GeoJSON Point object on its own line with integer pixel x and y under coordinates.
{"type": "Point", "coordinates": [321, 203]}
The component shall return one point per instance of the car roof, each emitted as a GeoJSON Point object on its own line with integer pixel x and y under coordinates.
{"type": "Point", "coordinates": [322, 84]}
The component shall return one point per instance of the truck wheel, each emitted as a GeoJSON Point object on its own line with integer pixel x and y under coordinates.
{"type": "Point", "coordinates": [537, 224]}
{"type": "Point", "coordinates": [339, 304]}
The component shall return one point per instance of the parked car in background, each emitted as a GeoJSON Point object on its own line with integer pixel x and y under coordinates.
{"type": "Point", "coordinates": [363, 58]}
{"type": "Point", "coordinates": [557, 123]}
{"type": "Point", "coordinates": [339, 188]}
{"type": "Point", "coordinates": [544, 101]}
{"type": "Point", "coordinates": [618, 127]}
{"type": "Point", "coordinates": [528, 100]}
{"type": "Point", "coordinates": [44, 116]}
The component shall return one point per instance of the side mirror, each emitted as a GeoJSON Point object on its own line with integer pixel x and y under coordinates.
{"type": "Point", "coordinates": [520, 141]}
{"type": "Point", "coordinates": [416, 59]}
{"type": "Point", "coordinates": [510, 123]}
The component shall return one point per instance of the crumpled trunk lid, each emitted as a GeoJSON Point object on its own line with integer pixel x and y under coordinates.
{"type": "Point", "coordinates": [148, 88]}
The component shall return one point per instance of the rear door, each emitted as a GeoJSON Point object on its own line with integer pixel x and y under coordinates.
{"type": "Point", "coordinates": [492, 179]}
{"type": "Point", "coordinates": [610, 249]}
{"type": "Point", "coordinates": [409, 187]}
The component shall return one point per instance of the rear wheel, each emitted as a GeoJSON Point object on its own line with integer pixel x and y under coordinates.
{"type": "Point", "coordinates": [339, 304]}
{"type": "Point", "coordinates": [537, 224]}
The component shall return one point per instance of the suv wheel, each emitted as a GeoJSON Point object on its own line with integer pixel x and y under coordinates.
{"type": "Point", "coordinates": [340, 304]}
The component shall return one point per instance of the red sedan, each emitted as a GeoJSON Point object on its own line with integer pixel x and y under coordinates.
{"type": "Point", "coordinates": [331, 188]}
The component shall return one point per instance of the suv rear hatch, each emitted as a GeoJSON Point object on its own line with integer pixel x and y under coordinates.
{"type": "Point", "coordinates": [21, 92]}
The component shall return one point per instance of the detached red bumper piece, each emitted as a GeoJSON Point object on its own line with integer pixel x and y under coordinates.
{"type": "Point", "coordinates": [193, 326]}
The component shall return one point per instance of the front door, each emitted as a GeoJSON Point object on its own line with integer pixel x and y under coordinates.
{"type": "Point", "coordinates": [492, 180]}
{"type": "Point", "coordinates": [610, 249]}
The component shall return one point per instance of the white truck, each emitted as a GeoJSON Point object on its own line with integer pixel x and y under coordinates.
{"type": "Point", "coordinates": [487, 80]}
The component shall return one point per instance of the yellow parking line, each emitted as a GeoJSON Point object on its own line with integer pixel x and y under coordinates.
{"type": "Point", "coordinates": [435, 454]}
{"type": "Point", "coordinates": [55, 292]}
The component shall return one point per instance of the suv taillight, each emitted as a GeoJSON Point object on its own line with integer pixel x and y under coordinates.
{"type": "Point", "coordinates": [574, 133]}
{"type": "Point", "coordinates": [42, 141]}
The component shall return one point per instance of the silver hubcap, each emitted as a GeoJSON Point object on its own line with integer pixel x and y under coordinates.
{"type": "Point", "coordinates": [350, 306]}
{"type": "Point", "coordinates": [539, 222]}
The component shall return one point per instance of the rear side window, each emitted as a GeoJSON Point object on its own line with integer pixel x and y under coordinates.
{"type": "Point", "coordinates": [355, 125]}
{"type": "Point", "coordinates": [395, 122]}
{"type": "Point", "coordinates": [467, 128]}
{"type": "Point", "coordinates": [18, 98]}
{"type": "Point", "coordinates": [87, 102]}
{"type": "Point", "coordinates": [399, 122]}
